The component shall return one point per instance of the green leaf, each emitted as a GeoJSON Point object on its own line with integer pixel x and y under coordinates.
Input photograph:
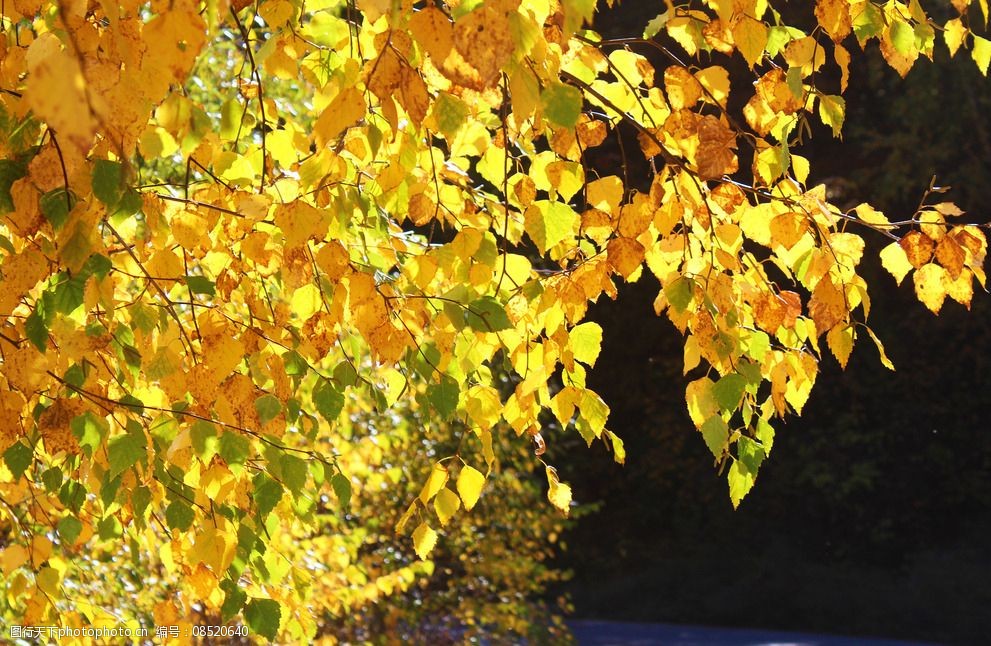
{"type": "Point", "coordinates": [868, 23]}
{"type": "Point", "coordinates": [328, 400]}
{"type": "Point", "coordinates": [740, 481]}
{"type": "Point", "coordinates": [18, 458]}
{"type": "Point", "coordinates": [575, 13]}
{"type": "Point", "coordinates": [294, 473]}
{"type": "Point", "coordinates": [902, 37]}
{"type": "Point", "coordinates": [268, 407]}
{"type": "Point", "coordinates": [444, 396]}
{"type": "Point", "coordinates": [263, 616]}
{"type": "Point", "coordinates": [230, 119]}
{"type": "Point", "coordinates": [750, 454]}
{"type": "Point", "coordinates": [203, 436]}
{"type": "Point", "coordinates": [679, 293]}
{"type": "Point", "coordinates": [656, 24]}
{"type": "Point", "coordinates": [179, 515]}
{"type": "Point", "coordinates": [124, 451]}
{"type": "Point", "coordinates": [130, 203]}
{"type": "Point", "coordinates": [69, 293]}
{"type": "Point", "coordinates": [233, 600]}
{"type": "Point", "coordinates": [10, 172]}
{"type": "Point", "coordinates": [296, 365]}
{"type": "Point", "coordinates": [35, 327]}
{"type": "Point", "coordinates": [765, 433]}
{"type": "Point", "coordinates": [487, 315]}
{"type": "Point", "coordinates": [55, 206]}
{"type": "Point", "coordinates": [69, 529]}
{"type": "Point", "coordinates": [107, 181]}
{"type": "Point", "coordinates": [715, 432]}
{"type": "Point", "coordinates": [832, 111]}
{"type": "Point", "coordinates": [345, 374]}
{"type": "Point", "coordinates": [548, 223]}
{"type": "Point", "coordinates": [450, 112]}
{"type": "Point", "coordinates": [72, 495]}
{"type": "Point", "coordinates": [586, 342]}
{"type": "Point", "coordinates": [97, 265]}
{"type": "Point", "coordinates": [267, 494]}
{"type": "Point", "coordinates": [562, 104]}
{"type": "Point", "coordinates": [729, 390]}
{"type": "Point", "coordinates": [89, 430]}
{"type": "Point", "coordinates": [109, 528]}
{"type": "Point", "coordinates": [52, 478]}
{"type": "Point", "coordinates": [342, 488]}
{"type": "Point", "coordinates": [234, 448]}
{"type": "Point", "coordinates": [201, 285]}
{"type": "Point", "coordinates": [140, 499]}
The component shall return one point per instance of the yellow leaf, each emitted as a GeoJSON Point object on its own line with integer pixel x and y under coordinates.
{"type": "Point", "coordinates": [701, 401]}
{"type": "Point", "coordinates": [13, 557]}
{"type": "Point", "coordinates": [470, 483]}
{"type": "Point", "coordinates": [213, 548]}
{"type": "Point", "coordinates": [424, 540]}
{"type": "Point", "coordinates": [805, 53]}
{"type": "Point", "coordinates": [954, 33]}
{"type": "Point", "coordinates": [300, 222]}
{"type": "Point", "coordinates": [56, 92]}
{"type": "Point", "coordinates": [894, 259]}
{"type": "Point", "coordinates": [306, 301]}
{"type": "Point", "coordinates": [435, 482]}
{"type": "Point", "coordinates": [981, 53]}
{"type": "Point", "coordinates": [48, 581]}
{"type": "Point", "coordinates": [558, 493]}
{"type": "Point", "coordinates": [446, 504]}
{"type": "Point", "coordinates": [483, 406]}
{"type": "Point", "coordinates": [961, 288]}
{"type": "Point", "coordinates": [715, 82]}
{"type": "Point", "coordinates": [885, 361]}
{"type": "Point", "coordinates": [930, 286]}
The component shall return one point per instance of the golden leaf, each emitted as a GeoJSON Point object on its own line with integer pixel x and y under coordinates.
{"type": "Point", "coordinates": [341, 113]}
{"type": "Point", "coordinates": [434, 31]}
{"type": "Point", "coordinates": [715, 156]}
{"type": "Point", "coordinates": [951, 256]}
{"type": "Point", "coordinates": [918, 248]}
{"type": "Point", "coordinates": [484, 40]}
{"type": "Point", "coordinates": [683, 89]}
{"type": "Point", "coordinates": [625, 255]}
{"type": "Point", "coordinates": [788, 228]}
{"type": "Point", "coordinates": [840, 339]}
{"type": "Point", "coordinates": [827, 307]}
{"type": "Point", "coordinates": [834, 16]}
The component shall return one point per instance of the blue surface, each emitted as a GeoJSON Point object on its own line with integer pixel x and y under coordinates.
{"type": "Point", "coordinates": [610, 633]}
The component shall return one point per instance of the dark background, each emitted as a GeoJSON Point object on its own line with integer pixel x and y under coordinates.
{"type": "Point", "coordinates": [871, 515]}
